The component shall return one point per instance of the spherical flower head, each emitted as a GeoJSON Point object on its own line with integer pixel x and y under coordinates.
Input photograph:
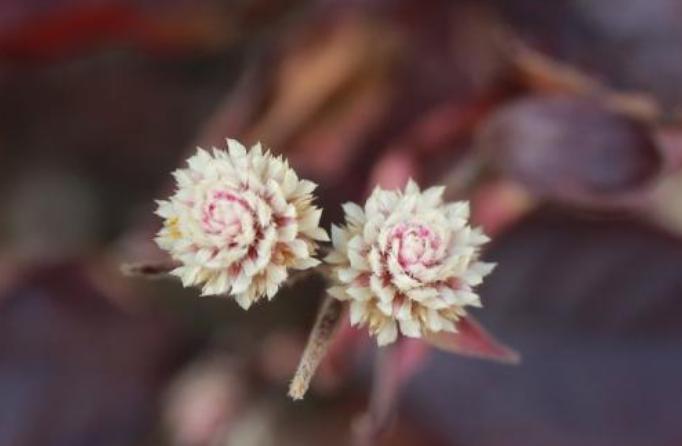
{"type": "Point", "coordinates": [407, 262]}
{"type": "Point", "coordinates": [237, 221]}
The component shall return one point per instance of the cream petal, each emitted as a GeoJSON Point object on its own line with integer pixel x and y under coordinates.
{"type": "Point", "coordinates": [335, 257]}
{"type": "Point", "coordinates": [311, 219]}
{"type": "Point", "coordinates": [316, 233]}
{"type": "Point", "coordinates": [448, 325]}
{"type": "Point", "coordinates": [242, 282]}
{"type": "Point", "coordinates": [478, 237]}
{"type": "Point", "coordinates": [472, 278]}
{"type": "Point", "coordinates": [359, 293]}
{"type": "Point", "coordinates": [409, 204]}
{"type": "Point", "coordinates": [370, 232]}
{"type": "Point", "coordinates": [354, 214]}
{"type": "Point", "coordinates": [422, 294]}
{"type": "Point", "coordinates": [358, 312]}
{"type": "Point", "coordinates": [435, 304]}
{"type": "Point", "coordinates": [375, 262]}
{"type": "Point", "coordinates": [338, 292]}
{"type": "Point", "coordinates": [483, 268]}
{"type": "Point", "coordinates": [410, 328]}
{"type": "Point", "coordinates": [449, 296]}
{"type": "Point", "coordinates": [358, 261]}
{"type": "Point", "coordinates": [298, 248]}
{"type": "Point", "coordinates": [182, 178]}
{"type": "Point", "coordinates": [466, 297]}
{"type": "Point", "coordinates": [385, 307]}
{"type": "Point", "coordinates": [216, 285]}
{"type": "Point", "coordinates": [388, 333]}
{"type": "Point", "coordinates": [199, 160]}
{"type": "Point", "coordinates": [431, 197]}
{"type": "Point", "coordinates": [433, 320]}
{"type": "Point", "coordinates": [404, 311]}
{"type": "Point", "coordinates": [347, 275]}
{"type": "Point", "coordinates": [384, 293]}
{"type": "Point", "coordinates": [243, 300]}
{"type": "Point", "coordinates": [411, 187]}
{"type": "Point", "coordinates": [404, 282]}
{"type": "Point", "coordinates": [287, 232]}
{"type": "Point", "coordinates": [204, 255]}
{"type": "Point", "coordinates": [302, 264]}
{"type": "Point", "coordinates": [276, 274]}
{"type": "Point", "coordinates": [459, 209]}
{"type": "Point", "coordinates": [372, 204]}
{"type": "Point", "coordinates": [304, 187]}
{"type": "Point", "coordinates": [236, 149]}
{"type": "Point", "coordinates": [165, 209]}
{"type": "Point", "coordinates": [289, 183]}
{"type": "Point", "coordinates": [387, 201]}
{"type": "Point", "coordinates": [339, 238]}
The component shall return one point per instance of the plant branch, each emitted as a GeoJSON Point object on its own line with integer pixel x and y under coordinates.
{"type": "Point", "coordinates": [149, 269]}
{"type": "Point", "coordinates": [320, 337]}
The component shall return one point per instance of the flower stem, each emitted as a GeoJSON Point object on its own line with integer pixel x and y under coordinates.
{"type": "Point", "coordinates": [318, 343]}
{"type": "Point", "coordinates": [148, 269]}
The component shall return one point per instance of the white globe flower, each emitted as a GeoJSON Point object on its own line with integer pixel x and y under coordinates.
{"type": "Point", "coordinates": [407, 262]}
{"type": "Point", "coordinates": [238, 221]}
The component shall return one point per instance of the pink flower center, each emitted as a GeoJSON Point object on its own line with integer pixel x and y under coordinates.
{"type": "Point", "coordinates": [226, 214]}
{"type": "Point", "coordinates": [417, 244]}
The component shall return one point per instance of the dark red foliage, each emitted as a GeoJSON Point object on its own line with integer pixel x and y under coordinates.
{"type": "Point", "coordinates": [628, 44]}
{"type": "Point", "coordinates": [593, 304]}
{"type": "Point", "coordinates": [74, 368]}
{"type": "Point", "coordinates": [571, 149]}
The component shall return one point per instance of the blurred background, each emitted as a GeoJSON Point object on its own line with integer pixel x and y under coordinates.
{"type": "Point", "coordinates": [559, 120]}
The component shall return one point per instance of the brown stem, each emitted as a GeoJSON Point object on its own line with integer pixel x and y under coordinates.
{"type": "Point", "coordinates": [148, 269]}
{"type": "Point", "coordinates": [318, 343]}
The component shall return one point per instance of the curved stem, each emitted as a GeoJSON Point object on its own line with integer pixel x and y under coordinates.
{"type": "Point", "coordinates": [149, 269]}
{"type": "Point", "coordinates": [318, 343]}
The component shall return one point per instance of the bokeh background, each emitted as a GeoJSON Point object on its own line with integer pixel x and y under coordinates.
{"type": "Point", "coordinates": [559, 120]}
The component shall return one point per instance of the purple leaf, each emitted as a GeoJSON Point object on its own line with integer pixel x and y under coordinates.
{"type": "Point", "coordinates": [572, 150]}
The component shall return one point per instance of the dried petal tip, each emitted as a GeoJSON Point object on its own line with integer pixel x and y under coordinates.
{"type": "Point", "coordinates": [148, 269]}
{"type": "Point", "coordinates": [407, 263]}
{"type": "Point", "coordinates": [238, 221]}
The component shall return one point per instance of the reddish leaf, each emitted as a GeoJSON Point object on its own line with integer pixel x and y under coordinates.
{"type": "Point", "coordinates": [346, 344]}
{"type": "Point", "coordinates": [67, 30]}
{"type": "Point", "coordinates": [541, 73]}
{"type": "Point", "coordinates": [394, 365]}
{"type": "Point", "coordinates": [394, 169]}
{"type": "Point", "coordinates": [472, 339]}
{"type": "Point", "coordinates": [498, 204]}
{"type": "Point", "coordinates": [573, 150]}
{"type": "Point", "coordinates": [408, 357]}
